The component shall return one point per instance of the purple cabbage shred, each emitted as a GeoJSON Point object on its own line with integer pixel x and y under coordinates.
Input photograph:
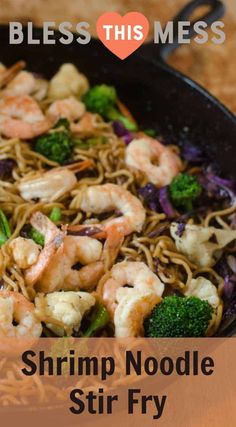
{"type": "Point", "coordinates": [180, 229]}
{"type": "Point", "coordinates": [157, 199]}
{"type": "Point", "coordinates": [150, 195]}
{"type": "Point", "coordinates": [165, 202]}
{"type": "Point", "coordinates": [192, 153]}
{"type": "Point", "coordinates": [229, 290]}
{"type": "Point", "coordinates": [217, 187]}
{"type": "Point", "coordinates": [86, 231]}
{"type": "Point", "coordinates": [121, 131]}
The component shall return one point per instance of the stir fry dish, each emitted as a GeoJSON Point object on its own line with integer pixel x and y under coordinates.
{"type": "Point", "coordinates": [105, 228]}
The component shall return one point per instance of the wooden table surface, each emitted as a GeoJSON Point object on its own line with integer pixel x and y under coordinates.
{"type": "Point", "coordinates": [211, 65]}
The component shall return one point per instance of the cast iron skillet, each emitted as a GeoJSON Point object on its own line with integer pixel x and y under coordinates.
{"type": "Point", "coordinates": [160, 97]}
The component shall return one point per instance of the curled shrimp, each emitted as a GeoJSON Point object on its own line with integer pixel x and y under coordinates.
{"type": "Point", "coordinates": [54, 268]}
{"type": "Point", "coordinates": [25, 83]}
{"type": "Point", "coordinates": [7, 74]}
{"type": "Point", "coordinates": [69, 108]}
{"type": "Point", "coordinates": [141, 153]}
{"type": "Point", "coordinates": [53, 240]}
{"type": "Point", "coordinates": [15, 307]}
{"type": "Point", "coordinates": [135, 274]}
{"type": "Point", "coordinates": [54, 184]}
{"type": "Point", "coordinates": [59, 274]}
{"type": "Point", "coordinates": [21, 117]}
{"type": "Point", "coordinates": [111, 197]}
{"type": "Point", "coordinates": [131, 311]}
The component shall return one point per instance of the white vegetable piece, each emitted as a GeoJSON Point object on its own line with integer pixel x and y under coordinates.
{"type": "Point", "coordinates": [68, 81]}
{"type": "Point", "coordinates": [67, 308]}
{"type": "Point", "coordinates": [202, 245]}
{"type": "Point", "coordinates": [204, 290]}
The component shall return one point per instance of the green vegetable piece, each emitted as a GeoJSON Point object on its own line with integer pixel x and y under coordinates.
{"type": "Point", "coordinates": [184, 190]}
{"type": "Point", "coordinates": [102, 99]}
{"type": "Point", "coordinates": [90, 142]}
{"type": "Point", "coordinates": [99, 320]}
{"type": "Point", "coordinates": [56, 146]}
{"type": "Point", "coordinates": [81, 144]}
{"type": "Point", "coordinates": [55, 215]}
{"type": "Point", "coordinates": [179, 317]}
{"type": "Point", "coordinates": [114, 114]}
{"type": "Point", "coordinates": [4, 225]}
{"type": "Point", "coordinates": [5, 231]}
{"type": "Point", "coordinates": [3, 238]}
{"type": "Point", "coordinates": [150, 132]}
{"type": "Point", "coordinates": [62, 123]}
{"type": "Point", "coordinates": [100, 140]}
{"type": "Point", "coordinates": [36, 236]}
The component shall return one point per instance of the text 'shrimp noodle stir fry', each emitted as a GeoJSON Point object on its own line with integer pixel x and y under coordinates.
{"type": "Point", "coordinates": [105, 229]}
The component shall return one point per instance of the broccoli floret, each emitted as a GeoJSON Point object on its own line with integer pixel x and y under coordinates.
{"type": "Point", "coordinates": [184, 190]}
{"type": "Point", "coordinates": [99, 99]}
{"type": "Point", "coordinates": [62, 123]}
{"type": "Point", "coordinates": [102, 99]}
{"type": "Point", "coordinates": [179, 317]}
{"type": "Point", "coordinates": [56, 146]}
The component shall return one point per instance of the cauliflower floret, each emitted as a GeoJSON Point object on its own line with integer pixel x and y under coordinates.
{"type": "Point", "coordinates": [25, 252]}
{"type": "Point", "coordinates": [68, 81]}
{"type": "Point", "coordinates": [65, 307]}
{"type": "Point", "coordinates": [202, 245]}
{"type": "Point", "coordinates": [204, 290]}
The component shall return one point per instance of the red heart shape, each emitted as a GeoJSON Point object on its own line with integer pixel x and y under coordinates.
{"type": "Point", "coordinates": [122, 35]}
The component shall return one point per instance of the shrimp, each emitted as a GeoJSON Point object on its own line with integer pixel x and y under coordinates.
{"type": "Point", "coordinates": [141, 152]}
{"type": "Point", "coordinates": [21, 117]}
{"type": "Point", "coordinates": [15, 307]}
{"type": "Point", "coordinates": [26, 83]}
{"type": "Point", "coordinates": [68, 108]}
{"type": "Point", "coordinates": [131, 312]}
{"type": "Point", "coordinates": [59, 273]}
{"type": "Point", "coordinates": [54, 184]}
{"type": "Point", "coordinates": [135, 274]}
{"type": "Point", "coordinates": [7, 74]}
{"type": "Point", "coordinates": [53, 240]}
{"type": "Point", "coordinates": [63, 311]}
{"type": "Point", "coordinates": [111, 197]}
{"type": "Point", "coordinates": [25, 252]}
{"type": "Point", "coordinates": [54, 267]}
{"type": "Point", "coordinates": [113, 239]}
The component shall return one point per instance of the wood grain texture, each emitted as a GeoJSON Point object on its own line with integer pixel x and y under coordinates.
{"type": "Point", "coordinates": [211, 65]}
